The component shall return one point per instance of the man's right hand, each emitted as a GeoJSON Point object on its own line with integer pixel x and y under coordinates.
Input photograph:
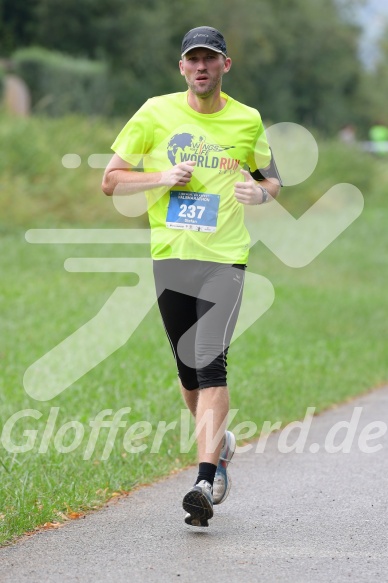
{"type": "Point", "coordinates": [120, 178]}
{"type": "Point", "coordinates": [179, 175]}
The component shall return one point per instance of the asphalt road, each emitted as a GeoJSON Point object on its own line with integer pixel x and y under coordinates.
{"type": "Point", "coordinates": [290, 517]}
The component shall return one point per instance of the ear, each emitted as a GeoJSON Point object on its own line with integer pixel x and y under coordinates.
{"type": "Point", "coordinates": [181, 67]}
{"type": "Point", "coordinates": [227, 64]}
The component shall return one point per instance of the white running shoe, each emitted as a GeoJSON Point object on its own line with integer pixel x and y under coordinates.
{"type": "Point", "coordinates": [222, 482]}
{"type": "Point", "coordinates": [198, 503]}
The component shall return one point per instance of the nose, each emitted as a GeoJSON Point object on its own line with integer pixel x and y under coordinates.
{"type": "Point", "coordinates": [201, 65]}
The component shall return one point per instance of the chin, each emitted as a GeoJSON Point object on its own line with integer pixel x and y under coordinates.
{"type": "Point", "coordinates": [204, 92]}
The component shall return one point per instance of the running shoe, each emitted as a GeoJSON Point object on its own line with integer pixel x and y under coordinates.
{"type": "Point", "coordinates": [222, 482]}
{"type": "Point", "coordinates": [198, 503]}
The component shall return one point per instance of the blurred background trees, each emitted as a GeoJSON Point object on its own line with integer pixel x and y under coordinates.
{"type": "Point", "coordinates": [295, 60]}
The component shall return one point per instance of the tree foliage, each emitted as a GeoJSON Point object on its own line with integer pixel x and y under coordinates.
{"type": "Point", "coordinates": [292, 59]}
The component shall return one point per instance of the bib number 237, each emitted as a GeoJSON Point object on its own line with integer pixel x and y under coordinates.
{"type": "Point", "coordinates": [195, 211]}
{"type": "Point", "coordinates": [191, 211]}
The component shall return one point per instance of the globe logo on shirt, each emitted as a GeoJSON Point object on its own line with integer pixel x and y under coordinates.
{"type": "Point", "coordinates": [177, 146]}
{"type": "Point", "coordinates": [187, 146]}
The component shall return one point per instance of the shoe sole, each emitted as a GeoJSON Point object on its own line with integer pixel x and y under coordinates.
{"type": "Point", "coordinates": [198, 506]}
{"type": "Point", "coordinates": [191, 521]}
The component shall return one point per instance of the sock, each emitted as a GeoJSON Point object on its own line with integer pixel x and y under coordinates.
{"type": "Point", "coordinates": [206, 472]}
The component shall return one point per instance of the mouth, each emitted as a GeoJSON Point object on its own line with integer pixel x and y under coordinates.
{"type": "Point", "coordinates": [202, 78]}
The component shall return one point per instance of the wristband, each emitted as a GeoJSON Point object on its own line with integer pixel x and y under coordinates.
{"type": "Point", "coordinates": [265, 195]}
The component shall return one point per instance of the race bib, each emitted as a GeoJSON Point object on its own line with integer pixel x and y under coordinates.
{"type": "Point", "coordinates": [195, 211]}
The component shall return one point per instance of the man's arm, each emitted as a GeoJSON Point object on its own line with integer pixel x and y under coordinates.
{"type": "Point", "coordinates": [121, 178]}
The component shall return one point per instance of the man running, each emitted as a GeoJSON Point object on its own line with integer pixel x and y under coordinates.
{"type": "Point", "coordinates": [205, 156]}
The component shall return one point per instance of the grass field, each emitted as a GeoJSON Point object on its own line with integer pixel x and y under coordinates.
{"type": "Point", "coordinates": [323, 341]}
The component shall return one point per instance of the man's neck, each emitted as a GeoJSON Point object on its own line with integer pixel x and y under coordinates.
{"type": "Point", "coordinates": [210, 104]}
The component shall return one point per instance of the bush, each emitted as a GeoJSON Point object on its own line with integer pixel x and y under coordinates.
{"type": "Point", "coordinates": [60, 84]}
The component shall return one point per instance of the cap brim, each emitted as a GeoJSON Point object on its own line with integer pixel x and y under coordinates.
{"type": "Point", "coordinates": [203, 47]}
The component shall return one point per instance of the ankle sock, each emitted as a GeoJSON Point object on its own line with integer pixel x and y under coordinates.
{"type": "Point", "coordinates": [206, 472]}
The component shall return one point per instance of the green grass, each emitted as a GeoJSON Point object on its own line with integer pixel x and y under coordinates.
{"type": "Point", "coordinates": [322, 342]}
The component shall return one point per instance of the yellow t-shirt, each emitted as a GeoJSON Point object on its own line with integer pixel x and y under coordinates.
{"type": "Point", "coordinates": [202, 220]}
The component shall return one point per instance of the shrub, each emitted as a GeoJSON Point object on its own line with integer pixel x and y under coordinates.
{"type": "Point", "coordinates": [60, 84]}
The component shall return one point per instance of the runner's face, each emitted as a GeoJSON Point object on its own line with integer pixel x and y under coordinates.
{"type": "Point", "coordinates": [203, 70]}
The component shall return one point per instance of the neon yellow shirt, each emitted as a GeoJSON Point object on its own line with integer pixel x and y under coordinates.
{"type": "Point", "coordinates": [202, 220]}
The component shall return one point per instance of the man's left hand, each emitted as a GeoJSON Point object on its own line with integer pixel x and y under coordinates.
{"type": "Point", "coordinates": [248, 192]}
